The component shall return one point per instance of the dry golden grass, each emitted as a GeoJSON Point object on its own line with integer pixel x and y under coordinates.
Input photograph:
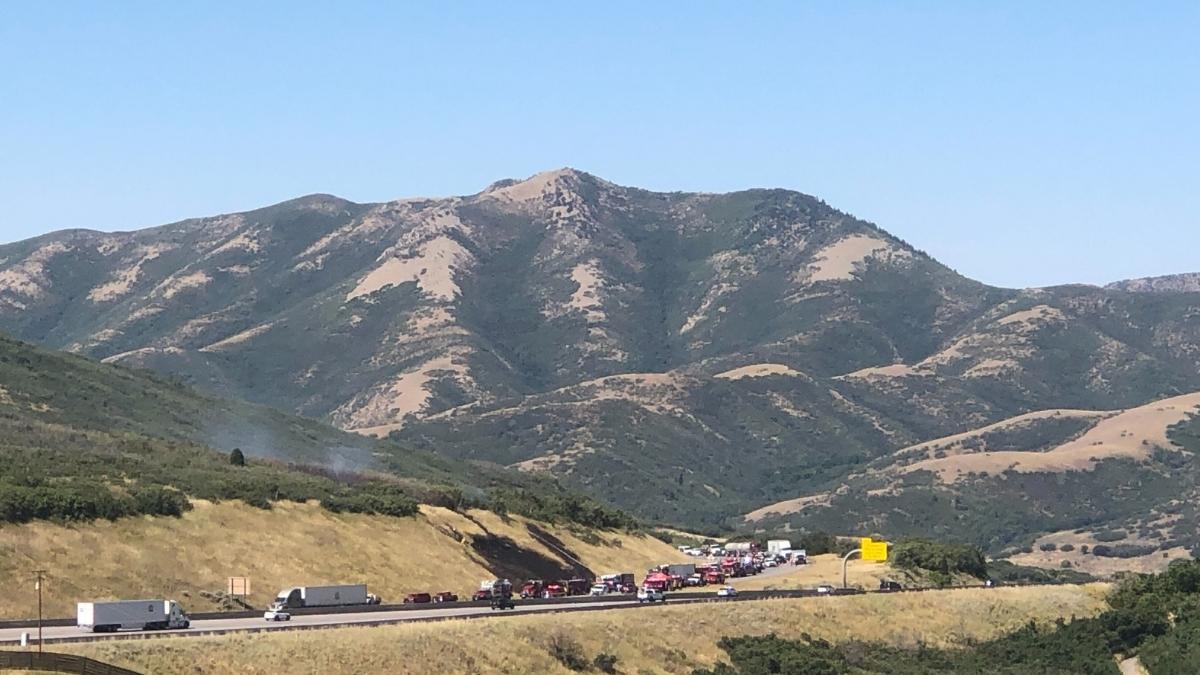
{"type": "Point", "coordinates": [291, 544]}
{"type": "Point", "coordinates": [827, 569]}
{"type": "Point", "coordinates": [668, 639]}
{"type": "Point", "coordinates": [821, 569]}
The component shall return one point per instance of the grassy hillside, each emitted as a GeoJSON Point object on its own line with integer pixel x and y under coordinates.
{"type": "Point", "coordinates": [1070, 475]}
{"type": "Point", "coordinates": [83, 440]}
{"type": "Point", "coordinates": [670, 639]}
{"type": "Point", "coordinates": [685, 356]}
{"type": "Point", "coordinates": [54, 390]}
{"type": "Point", "coordinates": [296, 544]}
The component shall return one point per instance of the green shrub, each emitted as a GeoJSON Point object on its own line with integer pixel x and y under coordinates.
{"type": "Point", "coordinates": [936, 557]}
{"type": "Point", "coordinates": [605, 663]}
{"type": "Point", "coordinates": [567, 651]}
{"type": "Point", "coordinates": [379, 499]}
{"type": "Point", "coordinates": [160, 501]}
{"type": "Point", "coordinates": [1123, 550]}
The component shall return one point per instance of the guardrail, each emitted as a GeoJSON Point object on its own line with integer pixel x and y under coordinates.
{"type": "Point", "coordinates": [361, 609]}
{"type": "Point", "coordinates": [566, 601]}
{"type": "Point", "coordinates": [59, 663]}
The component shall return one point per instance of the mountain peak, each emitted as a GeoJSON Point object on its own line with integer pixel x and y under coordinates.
{"type": "Point", "coordinates": [536, 186]}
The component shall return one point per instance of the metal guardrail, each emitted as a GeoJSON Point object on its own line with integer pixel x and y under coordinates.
{"type": "Point", "coordinates": [362, 609]}
{"type": "Point", "coordinates": [59, 663]}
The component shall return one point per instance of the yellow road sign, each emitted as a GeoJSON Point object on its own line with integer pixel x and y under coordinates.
{"type": "Point", "coordinates": [873, 550]}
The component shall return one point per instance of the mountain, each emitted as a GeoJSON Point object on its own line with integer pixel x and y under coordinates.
{"type": "Point", "coordinates": [1171, 283]}
{"type": "Point", "coordinates": [1126, 480]}
{"type": "Point", "coordinates": [688, 356]}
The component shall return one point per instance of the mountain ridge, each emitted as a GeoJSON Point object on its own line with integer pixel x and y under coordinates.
{"type": "Point", "coordinates": [564, 323]}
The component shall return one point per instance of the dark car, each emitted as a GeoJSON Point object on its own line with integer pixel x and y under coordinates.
{"type": "Point", "coordinates": [888, 585]}
{"type": "Point", "coordinates": [445, 596]}
{"type": "Point", "coordinates": [482, 594]}
{"type": "Point", "coordinates": [416, 598]}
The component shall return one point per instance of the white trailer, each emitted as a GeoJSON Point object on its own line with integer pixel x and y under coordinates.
{"type": "Point", "coordinates": [322, 596]}
{"type": "Point", "coordinates": [106, 617]}
{"type": "Point", "coordinates": [778, 546]}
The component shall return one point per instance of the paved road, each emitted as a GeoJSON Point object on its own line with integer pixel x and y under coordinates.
{"type": "Point", "coordinates": [10, 636]}
{"type": "Point", "coordinates": [67, 633]}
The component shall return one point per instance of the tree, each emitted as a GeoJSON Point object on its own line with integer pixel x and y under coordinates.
{"type": "Point", "coordinates": [236, 457]}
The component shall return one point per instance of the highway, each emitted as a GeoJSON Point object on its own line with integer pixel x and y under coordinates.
{"type": "Point", "coordinates": [53, 634]}
{"type": "Point", "coordinates": [377, 615]}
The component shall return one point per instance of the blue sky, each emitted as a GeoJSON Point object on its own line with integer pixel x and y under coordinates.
{"type": "Point", "coordinates": [1021, 144]}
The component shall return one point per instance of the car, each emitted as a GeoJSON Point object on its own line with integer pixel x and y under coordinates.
{"type": "Point", "coordinates": [445, 596]}
{"type": "Point", "coordinates": [825, 588]}
{"type": "Point", "coordinates": [277, 615]}
{"type": "Point", "coordinates": [600, 589]}
{"type": "Point", "coordinates": [417, 598]}
{"type": "Point", "coordinates": [694, 580]}
{"type": "Point", "coordinates": [727, 592]}
{"type": "Point", "coordinates": [771, 563]}
{"type": "Point", "coordinates": [651, 595]}
{"type": "Point", "coordinates": [888, 585]}
{"type": "Point", "coordinates": [554, 591]}
{"type": "Point", "coordinates": [482, 594]}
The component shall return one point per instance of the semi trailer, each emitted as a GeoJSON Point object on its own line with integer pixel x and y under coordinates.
{"type": "Point", "coordinates": [324, 596]}
{"type": "Point", "coordinates": [114, 615]}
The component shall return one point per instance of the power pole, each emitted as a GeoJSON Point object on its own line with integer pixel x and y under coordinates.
{"type": "Point", "coordinates": [41, 575]}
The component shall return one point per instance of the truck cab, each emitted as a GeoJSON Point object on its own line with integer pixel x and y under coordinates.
{"type": "Point", "coordinates": [176, 618]}
{"type": "Point", "coordinates": [532, 589]}
{"type": "Point", "coordinates": [289, 598]}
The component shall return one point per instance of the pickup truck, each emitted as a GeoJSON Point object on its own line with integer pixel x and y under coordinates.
{"type": "Point", "coordinates": [651, 595]}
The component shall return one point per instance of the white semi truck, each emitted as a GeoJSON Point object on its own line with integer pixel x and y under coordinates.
{"type": "Point", "coordinates": [324, 596]}
{"type": "Point", "coordinates": [779, 546]}
{"type": "Point", "coordinates": [106, 617]}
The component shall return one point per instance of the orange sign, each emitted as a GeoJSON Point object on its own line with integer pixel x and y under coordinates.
{"type": "Point", "coordinates": [238, 586]}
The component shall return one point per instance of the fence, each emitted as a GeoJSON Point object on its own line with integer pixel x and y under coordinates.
{"type": "Point", "coordinates": [58, 663]}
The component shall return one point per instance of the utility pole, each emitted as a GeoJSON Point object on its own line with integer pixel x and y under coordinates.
{"type": "Point", "coordinates": [41, 575]}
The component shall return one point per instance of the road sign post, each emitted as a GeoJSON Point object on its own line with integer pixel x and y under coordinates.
{"type": "Point", "coordinates": [846, 561]}
{"type": "Point", "coordinates": [41, 574]}
{"type": "Point", "coordinates": [238, 587]}
{"type": "Point", "coordinates": [868, 549]}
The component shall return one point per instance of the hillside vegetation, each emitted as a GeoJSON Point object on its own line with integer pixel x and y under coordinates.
{"type": "Point", "coordinates": [1064, 475]}
{"type": "Point", "coordinates": [669, 639]}
{"type": "Point", "coordinates": [1149, 626]}
{"type": "Point", "coordinates": [81, 440]}
{"type": "Point", "coordinates": [688, 357]}
{"type": "Point", "coordinates": [189, 558]}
